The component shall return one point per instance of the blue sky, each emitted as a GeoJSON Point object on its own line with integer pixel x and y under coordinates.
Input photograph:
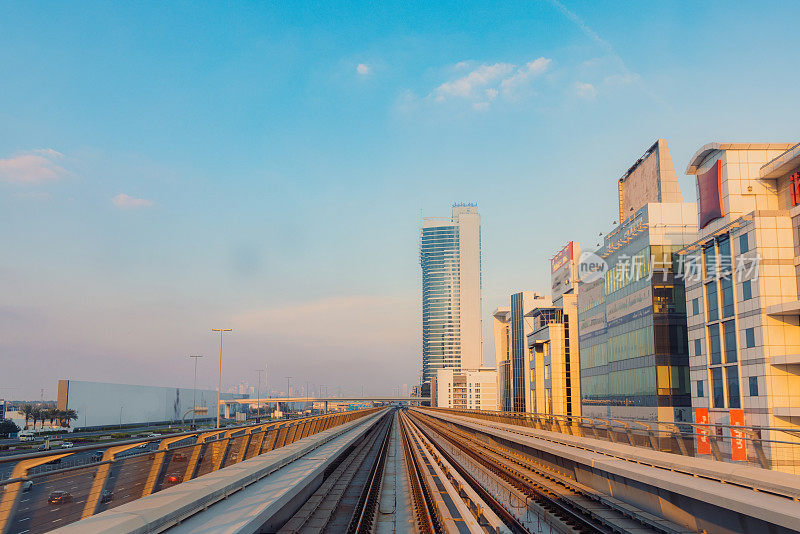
{"type": "Point", "coordinates": [166, 168]}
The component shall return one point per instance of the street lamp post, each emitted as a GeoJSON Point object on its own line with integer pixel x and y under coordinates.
{"type": "Point", "coordinates": [288, 389]}
{"type": "Point", "coordinates": [194, 388]}
{"type": "Point", "coordinates": [258, 395]}
{"type": "Point", "coordinates": [219, 387]}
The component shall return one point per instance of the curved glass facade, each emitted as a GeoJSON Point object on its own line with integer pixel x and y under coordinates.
{"type": "Point", "coordinates": [441, 299]}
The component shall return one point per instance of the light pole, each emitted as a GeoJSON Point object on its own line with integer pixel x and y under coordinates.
{"type": "Point", "coordinates": [258, 395]}
{"type": "Point", "coordinates": [288, 389]}
{"type": "Point", "coordinates": [219, 387]}
{"type": "Point", "coordinates": [194, 388]}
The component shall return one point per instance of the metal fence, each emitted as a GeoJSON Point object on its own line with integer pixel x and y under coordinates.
{"type": "Point", "coordinates": [765, 447]}
{"type": "Point", "coordinates": [48, 490]}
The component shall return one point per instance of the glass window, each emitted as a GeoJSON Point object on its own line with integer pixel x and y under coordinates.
{"type": "Point", "coordinates": [710, 253]}
{"type": "Point", "coordinates": [700, 388]}
{"type": "Point", "coordinates": [732, 374]}
{"type": "Point", "coordinates": [724, 259]}
{"type": "Point", "coordinates": [730, 341]}
{"type": "Point", "coordinates": [697, 349]}
{"type": "Point", "coordinates": [726, 288]}
{"type": "Point", "coordinates": [744, 246]}
{"type": "Point", "coordinates": [717, 388]}
{"type": "Point", "coordinates": [750, 338]}
{"type": "Point", "coordinates": [711, 299]}
{"type": "Point", "coordinates": [754, 386]}
{"type": "Point", "coordinates": [747, 290]}
{"type": "Point", "coordinates": [714, 345]}
{"type": "Point", "coordinates": [695, 306]}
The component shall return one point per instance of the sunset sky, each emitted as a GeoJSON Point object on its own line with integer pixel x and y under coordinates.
{"type": "Point", "coordinates": [168, 168]}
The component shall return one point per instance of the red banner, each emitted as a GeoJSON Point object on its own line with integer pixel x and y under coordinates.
{"type": "Point", "coordinates": [738, 443]}
{"type": "Point", "coordinates": [701, 418]}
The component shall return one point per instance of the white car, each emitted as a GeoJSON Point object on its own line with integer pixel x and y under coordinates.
{"type": "Point", "coordinates": [153, 435]}
{"type": "Point", "coordinates": [67, 445]}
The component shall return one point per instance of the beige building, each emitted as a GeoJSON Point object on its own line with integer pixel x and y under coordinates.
{"type": "Point", "coordinates": [742, 291]}
{"type": "Point", "coordinates": [553, 342]}
{"type": "Point", "coordinates": [471, 390]}
{"type": "Point", "coordinates": [502, 355]}
{"type": "Point", "coordinates": [522, 304]}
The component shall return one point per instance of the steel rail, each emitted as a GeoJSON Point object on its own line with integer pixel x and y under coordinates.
{"type": "Point", "coordinates": [369, 496]}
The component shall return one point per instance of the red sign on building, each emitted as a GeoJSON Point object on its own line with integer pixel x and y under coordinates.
{"type": "Point", "coordinates": [563, 256]}
{"type": "Point", "coordinates": [738, 443]}
{"type": "Point", "coordinates": [703, 443]}
{"type": "Point", "coordinates": [709, 186]}
{"type": "Point", "coordinates": [794, 188]}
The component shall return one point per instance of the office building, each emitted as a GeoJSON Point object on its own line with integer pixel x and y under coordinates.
{"type": "Point", "coordinates": [450, 257]}
{"type": "Point", "coordinates": [553, 342]}
{"type": "Point", "coordinates": [502, 355]}
{"type": "Point", "coordinates": [742, 295]}
{"type": "Point", "coordinates": [632, 320]}
{"type": "Point", "coordinates": [522, 303]}
{"type": "Point", "coordinates": [469, 390]}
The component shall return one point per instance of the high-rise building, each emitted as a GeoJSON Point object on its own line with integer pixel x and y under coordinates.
{"type": "Point", "coordinates": [742, 296]}
{"type": "Point", "coordinates": [632, 317]}
{"type": "Point", "coordinates": [502, 355]}
{"type": "Point", "coordinates": [450, 257]}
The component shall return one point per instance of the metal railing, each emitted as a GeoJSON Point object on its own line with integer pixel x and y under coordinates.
{"type": "Point", "coordinates": [48, 490]}
{"type": "Point", "coordinates": [759, 446]}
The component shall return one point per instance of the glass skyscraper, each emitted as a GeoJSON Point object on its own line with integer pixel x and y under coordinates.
{"type": "Point", "coordinates": [450, 257]}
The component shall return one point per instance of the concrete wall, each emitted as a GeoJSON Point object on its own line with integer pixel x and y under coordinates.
{"type": "Point", "coordinates": [100, 404]}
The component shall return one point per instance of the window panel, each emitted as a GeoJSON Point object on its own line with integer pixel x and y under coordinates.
{"type": "Point", "coordinates": [711, 301]}
{"type": "Point", "coordinates": [726, 288]}
{"type": "Point", "coordinates": [714, 348]}
{"type": "Point", "coordinates": [717, 387]}
{"type": "Point", "coordinates": [732, 375]}
{"type": "Point", "coordinates": [730, 342]}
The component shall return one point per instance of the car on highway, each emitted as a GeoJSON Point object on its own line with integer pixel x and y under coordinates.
{"type": "Point", "coordinates": [67, 445]}
{"type": "Point", "coordinates": [59, 497]}
{"type": "Point", "coordinates": [179, 457]}
{"type": "Point", "coordinates": [27, 485]}
{"type": "Point", "coordinates": [106, 496]}
{"type": "Point", "coordinates": [96, 456]}
{"type": "Point", "coordinates": [153, 435]}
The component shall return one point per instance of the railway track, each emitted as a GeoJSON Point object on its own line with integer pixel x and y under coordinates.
{"type": "Point", "coordinates": [346, 500]}
{"type": "Point", "coordinates": [565, 505]}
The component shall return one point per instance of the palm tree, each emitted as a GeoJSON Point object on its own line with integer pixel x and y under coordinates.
{"type": "Point", "coordinates": [69, 415]}
{"type": "Point", "coordinates": [51, 414]}
{"type": "Point", "coordinates": [37, 415]}
{"type": "Point", "coordinates": [27, 411]}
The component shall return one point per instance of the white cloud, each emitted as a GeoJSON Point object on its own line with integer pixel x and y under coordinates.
{"type": "Point", "coordinates": [466, 86]}
{"type": "Point", "coordinates": [124, 201]}
{"type": "Point", "coordinates": [32, 167]}
{"type": "Point", "coordinates": [585, 90]}
{"type": "Point", "coordinates": [486, 82]}
{"type": "Point", "coordinates": [362, 69]}
{"type": "Point", "coordinates": [523, 75]}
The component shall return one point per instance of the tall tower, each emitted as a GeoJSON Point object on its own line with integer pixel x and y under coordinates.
{"type": "Point", "coordinates": [450, 257]}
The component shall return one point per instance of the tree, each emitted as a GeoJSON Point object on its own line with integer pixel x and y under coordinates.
{"type": "Point", "coordinates": [27, 411]}
{"type": "Point", "coordinates": [67, 416]}
{"type": "Point", "coordinates": [7, 426]}
{"type": "Point", "coordinates": [36, 414]}
{"type": "Point", "coordinates": [50, 414]}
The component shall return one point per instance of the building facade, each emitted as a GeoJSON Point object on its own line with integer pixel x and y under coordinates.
{"type": "Point", "coordinates": [469, 390]}
{"type": "Point", "coordinates": [553, 342]}
{"type": "Point", "coordinates": [634, 362]}
{"type": "Point", "coordinates": [742, 296]}
{"type": "Point", "coordinates": [522, 303]}
{"type": "Point", "coordinates": [502, 355]}
{"type": "Point", "coordinates": [450, 257]}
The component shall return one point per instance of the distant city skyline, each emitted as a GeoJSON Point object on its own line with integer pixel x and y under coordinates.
{"type": "Point", "coordinates": [173, 168]}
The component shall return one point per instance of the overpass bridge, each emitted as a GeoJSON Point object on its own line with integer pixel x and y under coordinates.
{"type": "Point", "coordinates": [387, 470]}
